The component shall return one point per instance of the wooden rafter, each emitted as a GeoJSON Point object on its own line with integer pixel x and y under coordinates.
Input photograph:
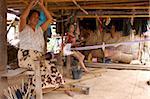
{"type": "Point", "coordinates": [100, 7]}
{"type": "Point", "coordinates": [95, 0]}
{"type": "Point", "coordinates": [105, 5]}
{"type": "Point", "coordinates": [113, 16]}
{"type": "Point", "coordinates": [101, 12]}
{"type": "Point", "coordinates": [23, 1]}
{"type": "Point", "coordinates": [13, 1]}
{"type": "Point", "coordinates": [16, 5]}
{"type": "Point", "coordinates": [116, 4]}
{"type": "Point", "coordinates": [69, 0]}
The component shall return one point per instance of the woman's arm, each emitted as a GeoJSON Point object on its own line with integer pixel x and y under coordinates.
{"type": "Point", "coordinates": [49, 19]}
{"type": "Point", "coordinates": [23, 17]}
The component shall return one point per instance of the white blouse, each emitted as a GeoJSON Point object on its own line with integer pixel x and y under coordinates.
{"type": "Point", "coordinates": [30, 39]}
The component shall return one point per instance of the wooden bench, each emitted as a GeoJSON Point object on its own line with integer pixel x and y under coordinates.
{"type": "Point", "coordinates": [13, 73]}
{"type": "Point", "coordinates": [21, 71]}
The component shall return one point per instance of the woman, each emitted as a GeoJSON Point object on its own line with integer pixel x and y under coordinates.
{"type": "Point", "coordinates": [32, 46]}
{"type": "Point", "coordinates": [119, 53]}
{"type": "Point", "coordinates": [71, 42]}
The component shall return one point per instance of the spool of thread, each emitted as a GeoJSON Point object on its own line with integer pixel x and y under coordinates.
{"type": "Point", "coordinates": [90, 58]}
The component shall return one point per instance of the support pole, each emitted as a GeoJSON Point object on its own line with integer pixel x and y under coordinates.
{"type": "Point", "coordinates": [3, 35]}
{"type": "Point", "coordinates": [68, 67]}
{"type": "Point", "coordinates": [38, 84]}
{"type": "Point", "coordinates": [3, 44]}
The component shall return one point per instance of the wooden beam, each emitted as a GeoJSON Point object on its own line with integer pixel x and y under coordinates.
{"type": "Point", "coordinates": [13, 1]}
{"type": "Point", "coordinates": [113, 16]}
{"type": "Point", "coordinates": [118, 66]}
{"type": "Point", "coordinates": [16, 5]}
{"type": "Point", "coordinates": [70, 0]}
{"type": "Point", "coordinates": [99, 7]}
{"type": "Point", "coordinates": [126, 4]}
{"type": "Point", "coordinates": [101, 12]}
{"type": "Point", "coordinates": [116, 4]}
{"type": "Point", "coordinates": [95, 0]}
{"type": "Point", "coordinates": [24, 1]}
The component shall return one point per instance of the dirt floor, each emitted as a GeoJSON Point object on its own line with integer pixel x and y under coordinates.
{"type": "Point", "coordinates": [112, 84]}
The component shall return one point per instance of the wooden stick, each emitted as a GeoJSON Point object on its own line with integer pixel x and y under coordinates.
{"type": "Point", "coordinates": [81, 89]}
{"type": "Point", "coordinates": [118, 66]}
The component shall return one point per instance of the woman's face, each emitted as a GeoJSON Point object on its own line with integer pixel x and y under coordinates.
{"type": "Point", "coordinates": [71, 28]}
{"type": "Point", "coordinates": [34, 19]}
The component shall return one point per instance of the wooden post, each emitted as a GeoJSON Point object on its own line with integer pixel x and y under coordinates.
{"type": "Point", "coordinates": [3, 44]}
{"type": "Point", "coordinates": [38, 84]}
{"type": "Point", "coordinates": [3, 35]}
{"type": "Point", "coordinates": [68, 67]}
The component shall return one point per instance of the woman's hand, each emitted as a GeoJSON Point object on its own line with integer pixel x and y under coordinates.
{"type": "Point", "coordinates": [41, 3]}
{"type": "Point", "coordinates": [33, 4]}
{"type": "Point", "coordinates": [23, 17]}
{"type": "Point", "coordinates": [49, 18]}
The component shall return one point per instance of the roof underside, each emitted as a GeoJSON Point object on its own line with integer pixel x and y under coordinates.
{"type": "Point", "coordinates": [88, 8]}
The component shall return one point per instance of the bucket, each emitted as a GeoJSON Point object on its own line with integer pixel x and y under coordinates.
{"type": "Point", "coordinates": [76, 73]}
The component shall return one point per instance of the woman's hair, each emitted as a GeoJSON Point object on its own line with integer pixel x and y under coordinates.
{"type": "Point", "coordinates": [31, 12]}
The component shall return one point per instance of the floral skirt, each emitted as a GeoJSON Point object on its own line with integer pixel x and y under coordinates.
{"type": "Point", "coordinates": [50, 76]}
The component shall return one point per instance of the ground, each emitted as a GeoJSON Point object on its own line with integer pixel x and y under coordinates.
{"type": "Point", "coordinates": [112, 84]}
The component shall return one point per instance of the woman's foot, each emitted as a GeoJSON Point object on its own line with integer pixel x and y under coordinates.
{"type": "Point", "coordinates": [69, 93]}
{"type": "Point", "coordinates": [86, 71]}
